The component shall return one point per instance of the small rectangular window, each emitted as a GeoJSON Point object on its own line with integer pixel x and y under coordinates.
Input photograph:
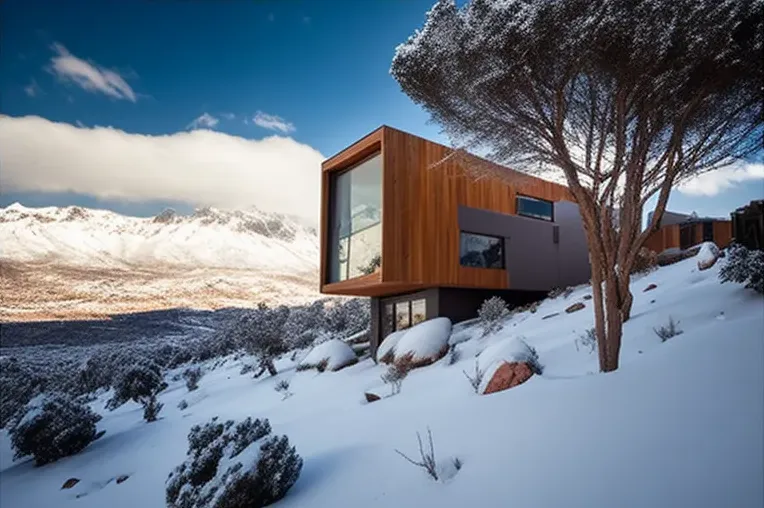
{"type": "Point", "coordinates": [481, 251]}
{"type": "Point", "coordinates": [418, 311]}
{"type": "Point", "coordinates": [535, 208]}
{"type": "Point", "coordinates": [402, 315]}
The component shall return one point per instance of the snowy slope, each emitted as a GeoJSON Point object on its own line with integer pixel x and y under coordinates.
{"type": "Point", "coordinates": [96, 261]}
{"type": "Point", "coordinates": [679, 424]}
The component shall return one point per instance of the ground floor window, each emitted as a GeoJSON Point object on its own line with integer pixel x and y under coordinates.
{"type": "Point", "coordinates": [402, 315]}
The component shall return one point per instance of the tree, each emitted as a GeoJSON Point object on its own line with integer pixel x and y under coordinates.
{"type": "Point", "coordinates": [260, 332]}
{"type": "Point", "coordinates": [140, 383]}
{"type": "Point", "coordinates": [624, 98]}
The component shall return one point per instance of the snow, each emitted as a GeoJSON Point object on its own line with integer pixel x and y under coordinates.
{"type": "Point", "coordinates": [678, 424]}
{"type": "Point", "coordinates": [389, 343]}
{"type": "Point", "coordinates": [337, 353]}
{"type": "Point", "coordinates": [425, 340]}
{"type": "Point", "coordinates": [707, 253]}
{"type": "Point", "coordinates": [507, 350]}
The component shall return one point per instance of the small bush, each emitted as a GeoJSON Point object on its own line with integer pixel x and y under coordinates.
{"type": "Point", "coordinates": [192, 375]}
{"type": "Point", "coordinates": [396, 373]}
{"type": "Point", "coordinates": [453, 354]}
{"type": "Point", "coordinates": [668, 331]}
{"type": "Point", "coordinates": [645, 262]}
{"type": "Point", "coordinates": [140, 384]}
{"type": "Point", "coordinates": [587, 340]}
{"type": "Point", "coordinates": [282, 387]}
{"type": "Point", "coordinates": [53, 427]}
{"type": "Point", "coordinates": [533, 360]}
{"type": "Point", "coordinates": [151, 409]}
{"type": "Point", "coordinates": [744, 267]}
{"type": "Point", "coordinates": [233, 466]}
{"type": "Point", "coordinates": [477, 378]}
{"type": "Point", "coordinates": [182, 405]}
{"type": "Point", "coordinates": [246, 368]}
{"type": "Point", "coordinates": [491, 314]}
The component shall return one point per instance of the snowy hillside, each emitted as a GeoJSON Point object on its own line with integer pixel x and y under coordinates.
{"type": "Point", "coordinates": [95, 261]}
{"type": "Point", "coordinates": [679, 424]}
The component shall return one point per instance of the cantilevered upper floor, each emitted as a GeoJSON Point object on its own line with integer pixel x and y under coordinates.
{"type": "Point", "coordinates": [398, 214]}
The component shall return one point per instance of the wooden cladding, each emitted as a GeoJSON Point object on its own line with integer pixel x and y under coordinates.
{"type": "Point", "coordinates": [421, 193]}
{"type": "Point", "coordinates": [683, 236]}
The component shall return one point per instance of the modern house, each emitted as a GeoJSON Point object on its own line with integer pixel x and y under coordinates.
{"type": "Point", "coordinates": [404, 224]}
{"type": "Point", "coordinates": [682, 231]}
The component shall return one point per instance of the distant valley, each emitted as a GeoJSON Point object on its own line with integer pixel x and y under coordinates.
{"type": "Point", "coordinates": [79, 263]}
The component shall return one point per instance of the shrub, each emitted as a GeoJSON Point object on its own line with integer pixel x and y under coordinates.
{"type": "Point", "coordinates": [282, 387]}
{"type": "Point", "coordinates": [533, 360]}
{"type": "Point", "coordinates": [491, 313]}
{"type": "Point", "coordinates": [182, 405]}
{"type": "Point", "coordinates": [645, 262]}
{"type": "Point", "coordinates": [744, 267]}
{"type": "Point", "coordinates": [587, 340]}
{"type": "Point", "coordinates": [477, 378]}
{"type": "Point", "coordinates": [140, 384]}
{"type": "Point", "coordinates": [192, 375]}
{"type": "Point", "coordinates": [53, 427]}
{"type": "Point", "coordinates": [18, 385]}
{"type": "Point", "coordinates": [668, 331]}
{"type": "Point", "coordinates": [453, 354]}
{"type": "Point", "coordinates": [396, 373]}
{"type": "Point", "coordinates": [233, 466]}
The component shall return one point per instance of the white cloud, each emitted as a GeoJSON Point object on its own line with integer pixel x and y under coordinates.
{"type": "Point", "coordinates": [89, 76]}
{"type": "Point", "coordinates": [272, 122]}
{"type": "Point", "coordinates": [205, 121]}
{"type": "Point", "coordinates": [228, 116]}
{"type": "Point", "coordinates": [714, 182]}
{"type": "Point", "coordinates": [200, 167]}
{"type": "Point", "coordinates": [33, 89]}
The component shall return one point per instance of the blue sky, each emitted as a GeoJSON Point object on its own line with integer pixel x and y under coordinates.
{"type": "Point", "coordinates": [313, 73]}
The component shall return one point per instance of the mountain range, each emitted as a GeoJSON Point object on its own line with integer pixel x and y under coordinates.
{"type": "Point", "coordinates": [77, 263]}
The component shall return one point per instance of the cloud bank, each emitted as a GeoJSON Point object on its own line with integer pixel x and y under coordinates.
{"type": "Point", "coordinates": [711, 184]}
{"type": "Point", "coordinates": [89, 76]}
{"type": "Point", "coordinates": [201, 167]}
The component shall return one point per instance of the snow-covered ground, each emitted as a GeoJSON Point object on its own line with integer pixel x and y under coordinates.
{"type": "Point", "coordinates": [681, 423]}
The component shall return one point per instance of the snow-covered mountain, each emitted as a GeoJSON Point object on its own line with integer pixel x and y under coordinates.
{"type": "Point", "coordinates": [97, 261]}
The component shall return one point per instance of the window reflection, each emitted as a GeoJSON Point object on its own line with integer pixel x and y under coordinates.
{"type": "Point", "coordinates": [481, 251]}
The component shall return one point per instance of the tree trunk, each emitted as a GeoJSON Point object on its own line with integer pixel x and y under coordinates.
{"type": "Point", "coordinates": [271, 368]}
{"type": "Point", "coordinates": [613, 322]}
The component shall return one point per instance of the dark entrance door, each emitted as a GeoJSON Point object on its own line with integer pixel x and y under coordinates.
{"type": "Point", "coordinates": [708, 231]}
{"type": "Point", "coordinates": [687, 236]}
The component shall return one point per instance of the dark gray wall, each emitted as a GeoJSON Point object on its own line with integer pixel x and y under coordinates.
{"type": "Point", "coordinates": [539, 255]}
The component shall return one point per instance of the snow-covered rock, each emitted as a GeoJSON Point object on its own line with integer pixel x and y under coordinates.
{"type": "Point", "coordinates": [506, 376]}
{"type": "Point", "coordinates": [335, 353]}
{"type": "Point", "coordinates": [506, 350]}
{"type": "Point", "coordinates": [425, 342]}
{"type": "Point", "coordinates": [707, 255]}
{"type": "Point", "coordinates": [385, 351]}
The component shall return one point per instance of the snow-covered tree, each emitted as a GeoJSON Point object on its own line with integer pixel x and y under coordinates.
{"type": "Point", "coordinates": [18, 385]}
{"type": "Point", "coordinates": [260, 332]}
{"type": "Point", "coordinates": [304, 325]}
{"type": "Point", "coordinates": [140, 383]}
{"type": "Point", "coordinates": [233, 466]}
{"type": "Point", "coordinates": [744, 267]}
{"type": "Point", "coordinates": [192, 375]}
{"type": "Point", "coordinates": [624, 99]}
{"type": "Point", "coordinates": [53, 426]}
{"type": "Point", "coordinates": [491, 313]}
{"type": "Point", "coordinates": [348, 317]}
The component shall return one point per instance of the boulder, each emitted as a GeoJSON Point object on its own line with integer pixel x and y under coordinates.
{"type": "Point", "coordinates": [422, 344]}
{"type": "Point", "coordinates": [575, 307]}
{"type": "Point", "coordinates": [587, 297]}
{"type": "Point", "coordinates": [708, 255]}
{"type": "Point", "coordinates": [121, 478]}
{"type": "Point", "coordinates": [71, 482]}
{"type": "Point", "coordinates": [650, 287]}
{"type": "Point", "coordinates": [508, 375]}
{"type": "Point", "coordinates": [371, 397]}
{"type": "Point", "coordinates": [331, 355]}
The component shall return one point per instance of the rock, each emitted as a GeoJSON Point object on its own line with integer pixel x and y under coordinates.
{"type": "Point", "coordinates": [652, 301]}
{"type": "Point", "coordinates": [71, 482]}
{"type": "Point", "coordinates": [649, 288]}
{"type": "Point", "coordinates": [551, 315]}
{"type": "Point", "coordinates": [508, 375]}
{"type": "Point", "coordinates": [371, 397]}
{"type": "Point", "coordinates": [705, 264]}
{"type": "Point", "coordinates": [122, 478]}
{"type": "Point", "coordinates": [575, 307]}
{"type": "Point", "coordinates": [587, 297]}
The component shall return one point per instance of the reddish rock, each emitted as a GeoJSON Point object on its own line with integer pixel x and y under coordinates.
{"type": "Point", "coordinates": [575, 307]}
{"type": "Point", "coordinates": [708, 263]}
{"type": "Point", "coordinates": [122, 478]}
{"type": "Point", "coordinates": [649, 288]}
{"type": "Point", "coordinates": [371, 397]}
{"type": "Point", "coordinates": [71, 482]}
{"type": "Point", "coordinates": [508, 375]}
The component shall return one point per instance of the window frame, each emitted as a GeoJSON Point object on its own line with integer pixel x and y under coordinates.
{"type": "Point", "coordinates": [518, 197]}
{"type": "Point", "coordinates": [502, 242]}
{"type": "Point", "coordinates": [333, 177]}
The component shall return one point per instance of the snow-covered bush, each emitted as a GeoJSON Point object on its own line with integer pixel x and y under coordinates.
{"type": "Point", "coordinates": [349, 317]}
{"type": "Point", "coordinates": [182, 404]}
{"type": "Point", "coordinates": [491, 313]}
{"type": "Point", "coordinates": [395, 374]}
{"type": "Point", "coordinates": [671, 329]}
{"type": "Point", "coordinates": [233, 466]}
{"type": "Point", "coordinates": [475, 379]}
{"type": "Point", "coordinates": [453, 354]}
{"type": "Point", "coordinates": [53, 427]}
{"type": "Point", "coordinates": [18, 385]}
{"type": "Point", "coordinates": [744, 267]}
{"type": "Point", "coordinates": [140, 383]}
{"type": "Point", "coordinates": [587, 340]}
{"type": "Point", "coordinates": [260, 332]}
{"type": "Point", "coordinates": [304, 325]}
{"type": "Point", "coordinates": [282, 387]}
{"type": "Point", "coordinates": [532, 359]}
{"type": "Point", "coordinates": [192, 375]}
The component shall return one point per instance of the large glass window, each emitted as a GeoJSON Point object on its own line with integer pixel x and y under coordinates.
{"type": "Point", "coordinates": [418, 311]}
{"type": "Point", "coordinates": [355, 221]}
{"type": "Point", "coordinates": [535, 208]}
{"type": "Point", "coordinates": [402, 315]}
{"type": "Point", "coordinates": [481, 251]}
